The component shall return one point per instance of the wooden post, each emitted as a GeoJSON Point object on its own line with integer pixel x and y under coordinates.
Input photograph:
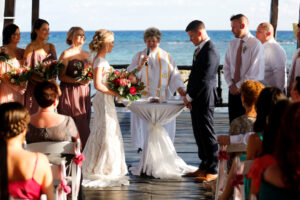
{"type": "Point", "coordinates": [35, 11]}
{"type": "Point", "coordinates": [9, 12]}
{"type": "Point", "coordinates": [274, 15]}
{"type": "Point", "coordinates": [298, 44]}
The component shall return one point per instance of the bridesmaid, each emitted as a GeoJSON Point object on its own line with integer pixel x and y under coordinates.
{"type": "Point", "coordinates": [75, 99]}
{"type": "Point", "coordinates": [39, 50]}
{"type": "Point", "coordinates": [8, 91]}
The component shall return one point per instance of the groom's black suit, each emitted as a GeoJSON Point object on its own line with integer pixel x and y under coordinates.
{"type": "Point", "coordinates": [202, 89]}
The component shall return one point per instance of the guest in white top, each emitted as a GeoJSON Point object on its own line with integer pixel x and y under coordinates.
{"type": "Point", "coordinates": [157, 69]}
{"type": "Point", "coordinates": [295, 68]}
{"type": "Point", "coordinates": [275, 57]}
{"type": "Point", "coordinates": [244, 60]}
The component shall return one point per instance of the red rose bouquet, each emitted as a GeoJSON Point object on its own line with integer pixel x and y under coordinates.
{"type": "Point", "coordinates": [82, 72]}
{"type": "Point", "coordinates": [48, 70]}
{"type": "Point", "coordinates": [19, 75]}
{"type": "Point", "coordinates": [126, 84]}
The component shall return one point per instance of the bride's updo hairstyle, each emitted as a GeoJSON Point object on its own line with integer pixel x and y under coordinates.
{"type": "Point", "coordinates": [14, 118]}
{"type": "Point", "coordinates": [100, 38]}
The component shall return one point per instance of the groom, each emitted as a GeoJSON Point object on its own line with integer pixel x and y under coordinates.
{"type": "Point", "coordinates": [200, 99]}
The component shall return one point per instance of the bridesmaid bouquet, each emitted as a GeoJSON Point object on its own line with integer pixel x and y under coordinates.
{"type": "Point", "coordinates": [48, 69]}
{"type": "Point", "coordinates": [82, 72]}
{"type": "Point", "coordinates": [126, 84]}
{"type": "Point", "coordinates": [19, 75]}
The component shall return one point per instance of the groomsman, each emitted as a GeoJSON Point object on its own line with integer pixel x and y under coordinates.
{"type": "Point", "coordinates": [200, 99]}
{"type": "Point", "coordinates": [244, 60]}
{"type": "Point", "coordinates": [295, 69]}
{"type": "Point", "coordinates": [275, 57]}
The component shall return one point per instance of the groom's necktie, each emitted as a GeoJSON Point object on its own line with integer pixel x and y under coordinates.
{"type": "Point", "coordinates": [196, 53]}
{"type": "Point", "coordinates": [238, 63]}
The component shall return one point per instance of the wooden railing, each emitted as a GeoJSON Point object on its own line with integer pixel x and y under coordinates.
{"type": "Point", "coordinates": [186, 67]}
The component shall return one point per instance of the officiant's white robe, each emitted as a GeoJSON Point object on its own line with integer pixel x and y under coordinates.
{"type": "Point", "coordinates": [153, 76]}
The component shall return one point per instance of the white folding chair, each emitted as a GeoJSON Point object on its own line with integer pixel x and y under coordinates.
{"type": "Point", "coordinates": [222, 176]}
{"type": "Point", "coordinates": [243, 168]}
{"type": "Point", "coordinates": [64, 147]}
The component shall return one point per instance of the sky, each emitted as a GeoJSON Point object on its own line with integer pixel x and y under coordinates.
{"type": "Point", "coordinates": [163, 14]}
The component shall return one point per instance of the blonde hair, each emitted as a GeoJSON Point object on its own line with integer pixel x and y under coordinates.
{"type": "Point", "coordinates": [100, 38]}
{"type": "Point", "coordinates": [71, 33]}
{"type": "Point", "coordinates": [152, 32]}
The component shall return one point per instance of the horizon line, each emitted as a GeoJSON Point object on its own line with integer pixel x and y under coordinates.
{"type": "Point", "coordinates": [144, 30]}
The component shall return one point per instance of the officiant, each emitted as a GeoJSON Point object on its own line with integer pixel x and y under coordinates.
{"type": "Point", "coordinates": [157, 69]}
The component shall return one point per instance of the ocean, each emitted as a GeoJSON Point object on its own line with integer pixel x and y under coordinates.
{"type": "Point", "coordinates": [177, 43]}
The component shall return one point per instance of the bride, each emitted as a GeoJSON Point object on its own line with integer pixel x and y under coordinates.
{"type": "Point", "coordinates": [104, 152]}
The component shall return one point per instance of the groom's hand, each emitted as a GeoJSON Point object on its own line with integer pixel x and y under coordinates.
{"type": "Point", "coordinates": [181, 91]}
{"type": "Point", "coordinates": [187, 103]}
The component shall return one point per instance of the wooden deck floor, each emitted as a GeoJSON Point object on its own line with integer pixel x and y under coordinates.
{"type": "Point", "coordinates": [144, 188]}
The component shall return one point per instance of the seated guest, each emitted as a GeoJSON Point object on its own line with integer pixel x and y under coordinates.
{"type": "Point", "coordinates": [266, 159]}
{"type": "Point", "coordinates": [23, 174]}
{"type": "Point", "coordinates": [47, 124]}
{"type": "Point", "coordinates": [282, 180]}
{"type": "Point", "coordinates": [265, 103]}
{"type": "Point", "coordinates": [295, 91]}
{"type": "Point", "coordinates": [250, 91]}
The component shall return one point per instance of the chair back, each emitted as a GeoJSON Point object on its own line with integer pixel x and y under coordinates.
{"type": "Point", "coordinates": [64, 147]}
{"type": "Point", "coordinates": [59, 171]}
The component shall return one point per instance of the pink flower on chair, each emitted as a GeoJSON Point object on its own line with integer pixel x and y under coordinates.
{"type": "Point", "coordinates": [65, 187]}
{"type": "Point", "coordinates": [79, 159]}
{"type": "Point", "coordinates": [237, 180]}
{"type": "Point", "coordinates": [222, 155]}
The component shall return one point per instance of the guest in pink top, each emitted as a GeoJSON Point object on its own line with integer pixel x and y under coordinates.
{"type": "Point", "coordinates": [39, 50]}
{"type": "Point", "coordinates": [23, 174]}
{"type": "Point", "coordinates": [8, 91]}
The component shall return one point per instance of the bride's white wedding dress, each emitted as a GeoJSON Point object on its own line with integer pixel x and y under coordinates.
{"type": "Point", "coordinates": [104, 163]}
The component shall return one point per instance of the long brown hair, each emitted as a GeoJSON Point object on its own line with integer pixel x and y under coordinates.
{"type": "Point", "coordinates": [287, 151]}
{"type": "Point", "coordinates": [14, 118]}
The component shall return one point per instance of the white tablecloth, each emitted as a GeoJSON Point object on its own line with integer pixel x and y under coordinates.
{"type": "Point", "coordinates": [159, 158]}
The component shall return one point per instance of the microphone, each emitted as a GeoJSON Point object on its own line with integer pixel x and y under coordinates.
{"type": "Point", "coordinates": [148, 52]}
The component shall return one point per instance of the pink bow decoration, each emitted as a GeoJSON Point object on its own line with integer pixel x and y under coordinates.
{"type": "Point", "coordinates": [237, 180]}
{"type": "Point", "coordinates": [65, 187]}
{"type": "Point", "coordinates": [222, 155]}
{"type": "Point", "coordinates": [78, 159]}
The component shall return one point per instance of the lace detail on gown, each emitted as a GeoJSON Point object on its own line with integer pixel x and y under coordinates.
{"type": "Point", "coordinates": [104, 152]}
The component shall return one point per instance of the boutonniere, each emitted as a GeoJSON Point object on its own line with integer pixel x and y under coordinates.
{"type": "Point", "coordinates": [244, 49]}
